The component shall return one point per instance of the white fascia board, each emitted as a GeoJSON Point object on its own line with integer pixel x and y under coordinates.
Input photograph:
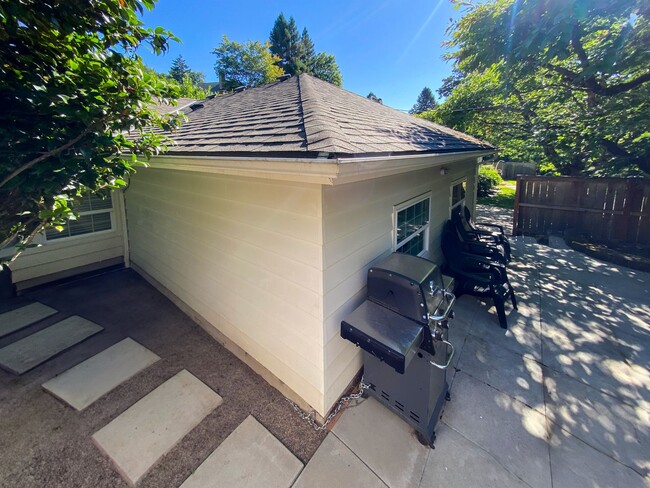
{"type": "Point", "coordinates": [310, 170]}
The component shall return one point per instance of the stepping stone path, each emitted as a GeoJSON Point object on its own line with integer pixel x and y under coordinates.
{"type": "Point", "coordinates": [22, 317]}
{"type": "Point", "coordinates": [150, 428]}
{"type": "Point", "coordinates": [249, 457]}
{"type": "Point", "coordinates": [25, 354]}
{"type": "Point", "coordinates": [88, 381]}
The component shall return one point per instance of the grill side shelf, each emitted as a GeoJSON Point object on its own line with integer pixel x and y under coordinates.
{"type": "Point", "coordinates": [383, 333]}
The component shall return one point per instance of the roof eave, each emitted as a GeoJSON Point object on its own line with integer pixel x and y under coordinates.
{"type": "Point", "coordinates": [322, 170]}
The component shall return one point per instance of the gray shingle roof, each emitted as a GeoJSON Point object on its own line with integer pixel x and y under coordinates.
{"type": "Point", "coordinates": [304, 116]}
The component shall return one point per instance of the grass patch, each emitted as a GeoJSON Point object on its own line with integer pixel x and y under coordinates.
{"type": "Point", "coordinates": [503, 197]}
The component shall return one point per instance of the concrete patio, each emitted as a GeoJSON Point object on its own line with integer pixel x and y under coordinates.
{"type": "Point", "coordinates": [561, 399]}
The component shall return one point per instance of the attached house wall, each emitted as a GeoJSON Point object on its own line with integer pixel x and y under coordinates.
{"type": "Point", "coordinates": [243, 253]}
{"type": "Point", "coordinates": [357, 230]}
{"type": "Point", "coordinates": [60, 258]}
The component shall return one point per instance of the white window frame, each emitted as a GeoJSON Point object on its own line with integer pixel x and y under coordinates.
{"type": "Point", "coordinates": [424, 230]}
{"type": "Point", "coordinates": [453, 205]}
{"type": "Point", "coordinates": [110, 211]}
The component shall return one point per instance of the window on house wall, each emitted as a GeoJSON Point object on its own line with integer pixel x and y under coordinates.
{"type": "Point", "coordinates": [411, 225]}
{"type": "Point", "coordinates": [458, 191]}
{"type": "Point", "coordinates": [95, 215]}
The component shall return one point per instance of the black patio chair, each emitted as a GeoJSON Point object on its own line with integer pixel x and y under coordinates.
{"type": "Point", "coordinates": [493, 251]}
{"type": "Point", "coordinates": [468, 235]}
{"type": "Point", "coordinates": [477, 275]}
{"type": "Point", "coordinates": [491, 229]}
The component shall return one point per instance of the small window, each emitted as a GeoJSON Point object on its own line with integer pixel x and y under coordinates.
{"type": "Point", "coordinates": [412, 225]}
{"type": "Point", "coordinates": [95, 215]}
{"type": "Point", "coordinates": [458, 190]}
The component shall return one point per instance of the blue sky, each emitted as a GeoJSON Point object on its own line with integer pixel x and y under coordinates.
{"type": "Point", "coordinates": [390, 47]}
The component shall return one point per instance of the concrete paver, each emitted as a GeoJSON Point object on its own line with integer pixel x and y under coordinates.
{"type": "Point", "coordinates": [249, 457]}
{"type": "Point", "coordinates": [385, 443]}
{"type": "Point", "coordinates": [458, 462]}
{"type": "Point", "coordinates": [578, 465]}
{"type": "Point", "coordinates": [27, 353]}
{"type": "Point", "coordinates": [85, 383]}
{"type": "Point", "coordinates": [334, 464]}
{"type": "Point", "coordinates": [141, 435]}
{"type": "Point", "coordinates": [598, 419]}
{"type": "Point", "coordinates": [511, 432]}
{"type": "Point", "coordinates": [22, 317]}
{"type": "Point", "coordinates": [508, 372]}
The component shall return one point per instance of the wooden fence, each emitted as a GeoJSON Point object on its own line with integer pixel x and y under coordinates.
{"type": "Point", "coordinates": [607, 209]}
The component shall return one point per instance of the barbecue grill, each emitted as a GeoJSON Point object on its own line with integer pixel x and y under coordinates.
{"type": "Point", "coordinates": [402, 328]}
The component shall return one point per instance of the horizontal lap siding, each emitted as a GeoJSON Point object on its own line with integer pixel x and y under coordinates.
{"type": "Point", "coordinates": [357, 231]}
{"type": "Point", "coordinates": [246, 255]}
{"type": "Point", "coordinates": [60, 255]}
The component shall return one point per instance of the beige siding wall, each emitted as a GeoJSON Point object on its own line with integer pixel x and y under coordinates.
{"type": "Point", "coordinates": [357, 229]}
{"type": "Point", "coordinates": [54, 259]}
{"type": "Point", "coordinates": [245, 254]}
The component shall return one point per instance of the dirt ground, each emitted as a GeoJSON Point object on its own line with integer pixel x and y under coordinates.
{"type": "Point", "coordinates": [46, 443]}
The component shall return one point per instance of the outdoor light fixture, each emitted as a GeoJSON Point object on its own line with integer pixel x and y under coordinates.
{"type": "Point", "coordinates": [444, 171]}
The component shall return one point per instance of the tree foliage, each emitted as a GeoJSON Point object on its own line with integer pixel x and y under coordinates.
{"type": "Point", "coordinates": [425, 102]}
{"type": "Point", "coordinates": [297, 54]}
{"type": "Point", "coordinates": [565, 82]}
{"type": "Point", "coordinates": [179, 71]}
{"type": "Point", "coordinates": [72, 86]}
{"type": "Point", "coordinates": [248, 64]}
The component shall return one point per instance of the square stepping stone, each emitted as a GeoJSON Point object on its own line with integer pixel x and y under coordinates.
{"type": "Point", "coordinates": [333, 464]}
{"type": "Point", "coordinates": [249, 457]}
{"type": "Point", "coordinates": [150, 428]}
{"type": "Point", "coordinates": [86, 382]}
{"type": "Point", "coordinates": [22, 317]}
{"type": "Point", "coordinates": [384, 442]}
{"type": "Point", "coordinates": [27, 353]}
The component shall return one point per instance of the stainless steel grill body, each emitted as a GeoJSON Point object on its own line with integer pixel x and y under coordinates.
{"type": "Point", "coordinates": [402, 328]}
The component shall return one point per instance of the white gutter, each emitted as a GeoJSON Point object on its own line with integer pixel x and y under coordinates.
{"type": "Point", "coordinates": [312, 170]}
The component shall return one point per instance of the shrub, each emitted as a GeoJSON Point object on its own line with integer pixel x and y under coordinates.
{"type": "Point", "coordinates": [488, 178]}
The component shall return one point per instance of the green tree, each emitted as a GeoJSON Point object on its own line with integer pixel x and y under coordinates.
{"type": "Point", "coordinates": [296, 53]}
{"type": "Point", "coordinates": [564, 81]}
{"type": "Point", "coordinates": [425, 102]}
{"type": "Point", "coordinates": [286, 44]}
{"type": "Point", "coordinates": [248, 64]}
{"type": "Point", "coordinates": [73, 88]}
{"type": "Point", "coordinates": [324, 67]}
{"type": "Point", "coordinates": [179, 69]}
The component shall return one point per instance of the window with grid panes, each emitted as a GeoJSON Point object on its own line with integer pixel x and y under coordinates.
{"type": "Point", "coordinates": [412, 226]}
{"type": "Point", "coordinates": [95, 215]}
{"type": "Point", "coordinates": [458, 191]}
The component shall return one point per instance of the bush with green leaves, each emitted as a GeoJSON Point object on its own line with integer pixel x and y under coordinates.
{"type": "Point", "coordinates": [488, 179]}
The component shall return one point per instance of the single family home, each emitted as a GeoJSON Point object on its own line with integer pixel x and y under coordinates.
{"type": "Point", "coordinates": [263, 219]}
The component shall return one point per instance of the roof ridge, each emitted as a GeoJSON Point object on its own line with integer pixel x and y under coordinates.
{"type": "Point", "coordinates": [313, 115]}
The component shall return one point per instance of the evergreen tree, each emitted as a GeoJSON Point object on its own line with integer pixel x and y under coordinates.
{"type": "Point", "coordinates": [286, 44]}
{"type": "Point", "coordinates": [308, 51]}
{"type": "Point", "coordinates": [297, 54]}
{"type": "Point", "coordinates": [425, 102]}
{"type": "Point", "coordinates": [179, 69]}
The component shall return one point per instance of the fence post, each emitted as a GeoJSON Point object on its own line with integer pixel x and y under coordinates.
{"type": "Point", "coordinates": [515, 215]}
{"type": "Point", "coordinates": [627, 208]}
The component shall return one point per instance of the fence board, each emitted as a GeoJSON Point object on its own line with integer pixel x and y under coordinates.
{"type": "Point", "coordinates": [608, 209]}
